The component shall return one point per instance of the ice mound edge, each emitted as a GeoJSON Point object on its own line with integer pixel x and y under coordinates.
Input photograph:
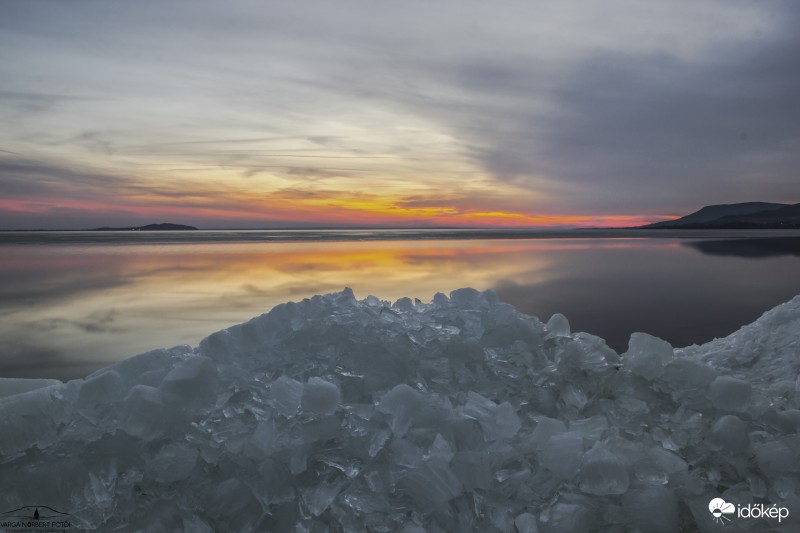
{"type": "Point", "coordinates": [460, 414]}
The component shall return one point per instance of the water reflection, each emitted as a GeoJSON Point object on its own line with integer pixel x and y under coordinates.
{"type": "Point", "coordinates": [68, 310]}
{"type": "Point", "coordinates": [664, 289]}
{"type": "Point", "coordinates": [755, 248]}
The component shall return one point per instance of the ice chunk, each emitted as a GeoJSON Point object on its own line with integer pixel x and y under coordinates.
{"type": "Point", "coordinates": [690, 375]}
{"type": "Point", "coordinates": [603, 473]}
{"type": "Point", "coordinates": [575, 517]}
{"type": "Point", "coordinates": [173, 462]}
{"type": "Point", "coordinates": [506, 422]}
{"type": "Point", "coordinates": [402, 402]}
{"type": "Point", "coordinates": [286, 394]}
{"type": "Point", "coordinates": [478, 407]}
{"type": "Point", "coordinates": [155, 364]}
{"type": "Point", "coordinates": [319, 496]}
{"type": "Point", "coordinates": [101, 388]}
{"type": "Point", "coordinates": [562, 454]}
{"type": "Point", "coordinates": [498, 421]}
{"type": "Point", "coordinates": [657, 465]}
{"type": "Point", "coordinates": [558, 325]}
{"type": "Point", "coordinates": [729, 393]}
{"type": "Point", "coordinates": [377, 442]}
{"type": "Point", "coordinates": [404, 305]}
{"type": "Point", "coordinates": [192, 380]}
{"type": "Point", "coordinates": [196, 525]}
{"type": "Point", "coordinates": [232, 503]}
{"type": "Point", "coordinates": [320, 428]}
{"type": "Point", "coordinates": [12, 386]}
{"type": "Point", "coordinates": [651, 509]}
{"type": "Point", "coordinates": [647, 355]}
{"type": "Point", "coordinates": [320, 397]}
{"type": "Point", "coordinates": [431, 484]}
{"type": "Point", "coordinates": [730, 433]}
{"type": "Point", "coordinates": [440, 299]}
{"type": "Point", "coordinates": [441, 449]}
{"type": "Point", "coordinates": [473, 469]}
{"type": "Point", "coordinates": [142, 413]}
{"type": "Point", "coordinates": [526, 523]}
{"type": "Point", "coordinates": [574, 397]}
{"type": "Point", "coordinates": [546, 427]}
{"type": "Point", "coordinates": [592, 428]}
{"type": "Point", "coordinates": [592, 353]}
{"type": "Point", "coordinates": [776, 457]}
{"type": "Point", "coordinates": [465, 297]}
{"type": "Point", "coordinates": [30, 419]}
{"type": "Point", "coordinates": [789, 420]}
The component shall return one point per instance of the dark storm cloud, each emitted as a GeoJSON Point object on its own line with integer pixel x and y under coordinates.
{"type": "Point", "coordinates": [648, 130]}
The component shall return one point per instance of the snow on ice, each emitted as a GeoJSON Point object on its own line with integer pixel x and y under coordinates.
{"type": "Point", "coordinates": [334, 414]}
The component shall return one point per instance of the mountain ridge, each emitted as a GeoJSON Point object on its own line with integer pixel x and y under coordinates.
{"type": "Point", "coordinates": [745, 215]}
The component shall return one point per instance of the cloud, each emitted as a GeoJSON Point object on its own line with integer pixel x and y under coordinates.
{"type": "Point", "coordinates": [649, 131]}
{"type": "Point", "coordinates": [17, 104]}
{"type": "Point", "coordinates": [28, 178]}
{"type": "Point", "coordinates": [626, 126]}
{"type": "Point", "coordinates": [617, 107]}
{"type": "Point", "coordinates": [654, 129]}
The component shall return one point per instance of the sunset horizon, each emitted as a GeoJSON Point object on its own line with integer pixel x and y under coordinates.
{"type": "Point", "coordinates": [272, 116]}
{"type": "Point", "coordinates": [476, 220]}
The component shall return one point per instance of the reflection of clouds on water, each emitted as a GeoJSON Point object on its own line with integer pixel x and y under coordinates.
{"type": "Point", "coordinates": [79, 310]}
{"type": "Point", "coordinates": [96, 322]}
{"type": "Point", "coordinates": [29, 357]}
{"type": "Point", "coordinates": [295, 289]}
{"type": "Point", "coordinates": [250, 289]}
{"type": "Point", "coordinates": [249, 296]}
{"type": "Point", "coordinates": [109, 302]}
{"type": "Point", "coordinates": [47, 346]}
{"type": "Point", "coordinates": [32, 290]}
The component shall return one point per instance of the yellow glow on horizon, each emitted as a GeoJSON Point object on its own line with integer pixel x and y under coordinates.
{"type": "Point", "coordinates": [334, 210]}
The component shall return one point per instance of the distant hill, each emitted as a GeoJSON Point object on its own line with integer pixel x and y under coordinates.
{"type": "Point", "coordinates": [748, 215]}
{"type": "Point", "coordinates": [165, 226]}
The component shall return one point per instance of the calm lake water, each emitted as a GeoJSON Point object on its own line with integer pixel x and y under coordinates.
{"type": "Point", "coordinates": [72, 305]}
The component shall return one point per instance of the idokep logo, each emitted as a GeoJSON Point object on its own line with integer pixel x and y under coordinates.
{"type": "Point", "coordinates": [722, 511]}
{"type": "Point", "coordinates": [719, 508]}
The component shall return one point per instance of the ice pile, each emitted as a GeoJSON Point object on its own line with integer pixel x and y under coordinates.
{"type": "Point", "coordinates": [459, 415]}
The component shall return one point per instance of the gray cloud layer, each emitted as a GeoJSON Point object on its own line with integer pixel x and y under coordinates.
{"type": "Point", "coordinates": [614, 107]}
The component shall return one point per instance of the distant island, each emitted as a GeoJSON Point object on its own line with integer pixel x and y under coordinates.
{"type": "Point", "coordinates": [164, 226]}
{"type": "Point", "coordinates": [747, 215]}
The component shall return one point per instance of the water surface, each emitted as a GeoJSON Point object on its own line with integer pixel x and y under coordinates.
{"type": "Point", "coordinates": [70, 307]}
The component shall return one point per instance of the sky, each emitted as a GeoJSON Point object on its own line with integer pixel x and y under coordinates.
{"type": "Point", "coordinates": [272, 114]}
